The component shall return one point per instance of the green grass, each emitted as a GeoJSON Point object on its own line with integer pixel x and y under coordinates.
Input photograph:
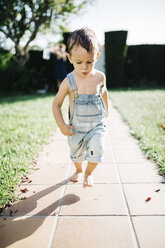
{"type": "Point", "coordinates": [26, 122]}
{"type": "Point", "coordinates": [143, 110]}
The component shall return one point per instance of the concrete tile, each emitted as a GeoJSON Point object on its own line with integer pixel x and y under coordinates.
{"type": "Point", "coordinates": [119, 135]}
{"type": "Point", "coordinates": [58, 135]}
{"type": "Point", "coordinates": [126, 156]}
{"type": "Point", "coordinates": [118, 126]}
{"type": "Point", "coordinates": [49, 174]}
{"type": "Point", "coordinates": [125, 144]}
{"type": "Point", "coordinates": [98, 232]}
{"type": "Point", "coordinates": [104, 173]}
{"type": "Point", "coordinates": [40, 200]}
{"type": "Point", "coordinates": [119, 132]}
{"type": "Point", "coordinates": [59, 156]}
{"type": "Point", "coordinates": [60, 145]}
{"type": "Point", "coordinates": [25, 232]}
{"type": "Point", "coordinates": [150, 231]}
{"type": "Point", "coordinates": [56, 140]}
{"type": "Point", "coordinates": [146, 163]}
{"type": "Point", "coordinates": [136, 195]}
{"type": "Point", "coordinates": [137, 174]}
{"type": "Point", "coordinates": [102, 199]}
{"type": "Point", "coordinates": [108, 155]}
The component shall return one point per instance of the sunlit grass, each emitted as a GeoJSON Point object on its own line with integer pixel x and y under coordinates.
{"type": "Point", "coordinates": [26, 122]}
{"type": "Point", "coordinates": [143, 110]}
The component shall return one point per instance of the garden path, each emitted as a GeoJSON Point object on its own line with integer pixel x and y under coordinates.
{"type": "Point", "coordinates": [112, 214]}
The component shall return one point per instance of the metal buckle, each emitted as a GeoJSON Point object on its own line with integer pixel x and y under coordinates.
{"type": "Point", "coordinates": [75, 94]}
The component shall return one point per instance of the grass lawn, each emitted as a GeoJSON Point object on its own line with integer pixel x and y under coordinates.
{"type": "Point", "coordinates": [26, 122]}
{"type": "Point", "coordinates": [143, 110]}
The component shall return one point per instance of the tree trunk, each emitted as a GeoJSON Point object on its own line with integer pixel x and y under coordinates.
{"type": "Point", "coordinates": [22, 54]}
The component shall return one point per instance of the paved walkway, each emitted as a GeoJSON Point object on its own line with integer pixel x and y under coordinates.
{"type": "Point", "coordinates": [112, 214]}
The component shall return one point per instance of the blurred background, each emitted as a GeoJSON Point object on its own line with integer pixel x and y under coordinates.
{"type": "Point", "coordinates": [130, 33]}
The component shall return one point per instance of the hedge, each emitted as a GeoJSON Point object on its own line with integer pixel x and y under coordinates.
{"type": "Point", "coordinates": [115, 52]}
{"type": "Point", "coordinates": [144, 66]}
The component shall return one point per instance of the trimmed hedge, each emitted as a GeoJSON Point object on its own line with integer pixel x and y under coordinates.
{"type": "Point", "coordinates": [144, 66]}
{"type": "Point", "coordinates": [45, 67]}
{"type": "Point", "coordinates": [69, 66]}
{"type": "Point", "coordinates": [115, 52]}
{"type": "Point", "coordinates": [34, 75]}
{"type": "Point", "coordinates": [17, 78]}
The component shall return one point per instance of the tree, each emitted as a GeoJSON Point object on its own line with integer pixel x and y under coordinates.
{"type": "Point", "coordinates": [20, 18]}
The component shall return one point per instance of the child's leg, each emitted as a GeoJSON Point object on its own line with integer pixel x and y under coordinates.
{"type": "Point", "coordinates": [95, 150]}
{"type": "Point", "coordinates": [90, 168]}
{"type": "Point", "coordinates": [77, 175]}
{"type": "Point", "coordinates": [88, 180]}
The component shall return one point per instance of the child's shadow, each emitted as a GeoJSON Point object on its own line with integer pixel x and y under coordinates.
{"type": "Point", "coordinates": [14, 230]}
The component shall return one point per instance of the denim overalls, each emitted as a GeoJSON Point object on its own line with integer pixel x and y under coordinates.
{"type": "Point", "coordinates": [88, 116]}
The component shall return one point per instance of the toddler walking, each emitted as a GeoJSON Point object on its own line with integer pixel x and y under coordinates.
{"type": "Point", "coordinates": [88, 101]}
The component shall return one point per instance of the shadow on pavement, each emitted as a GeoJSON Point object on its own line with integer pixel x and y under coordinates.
{"type": "Point", "coordinates": [13, 230]}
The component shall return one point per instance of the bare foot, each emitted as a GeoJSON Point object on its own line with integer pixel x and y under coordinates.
{"type": "Point", "coordinates": [76, 177]}
{"type": "Point", "coordinates": [88, 181]}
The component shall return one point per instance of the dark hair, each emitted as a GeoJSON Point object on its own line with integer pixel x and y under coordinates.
{"type": "Point", "coordinates": [62, 45]}
{"type": "Point", "coordinates": [84, 37]}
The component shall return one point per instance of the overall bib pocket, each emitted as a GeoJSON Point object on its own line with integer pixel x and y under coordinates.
{"type": "Point", "coordinates": [90, 111]}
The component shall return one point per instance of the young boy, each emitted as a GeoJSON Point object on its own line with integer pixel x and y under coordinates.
{"type": "Point", "coordinates": [88, 100]}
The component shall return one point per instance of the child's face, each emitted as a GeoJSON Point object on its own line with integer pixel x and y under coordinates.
{"type": "Point", "coordinates": [82, 60]}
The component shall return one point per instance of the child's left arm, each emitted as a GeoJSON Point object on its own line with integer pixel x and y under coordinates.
{"type": "Point", "coordinates": [104, 91]}
{"type": "Point", "coordinates": [105, 99]}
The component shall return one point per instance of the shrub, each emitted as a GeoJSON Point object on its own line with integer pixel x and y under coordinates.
{"type": "Point", "coordinates": [115, 52]}
{"type": "Point", "coordinates": [17, 78]}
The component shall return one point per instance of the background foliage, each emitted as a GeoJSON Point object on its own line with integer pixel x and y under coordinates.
{"type": "Point", "coordinates": [22, 20]}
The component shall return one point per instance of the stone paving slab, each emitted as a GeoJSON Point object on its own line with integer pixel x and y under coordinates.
{"type": "Point", "coordinates": [50, 174]}
{"type": "Point", "coordinates": [129, 156]}
{"type": "Point", "coordinates": [100, 232]}
{"type": "Point", "coordinates": [61, 156]}
{"type": "Point", "coordinates": [130, 144]}
{"type": "Point", "coordinates": [105, 173]}
{"type": "Point", "coordinates": [137, 194]}
{"type": "Point", "coordinates": [103, 199]}
{"type": "Point", "coordinates": [25, 232]}
{"type": "Point", "coordinates": [150, 231]}
{"type": "Point", "coordinates": [41, 200]}
{"type": "Point", "coordinates": [139, 173]}
{"type": "Point", "coordinates": [107, 158]}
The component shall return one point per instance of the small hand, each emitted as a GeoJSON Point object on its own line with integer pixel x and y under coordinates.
{"type": "Point", "coordinates": [66, 130]}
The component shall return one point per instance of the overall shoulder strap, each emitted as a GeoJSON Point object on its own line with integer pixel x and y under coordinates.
{"type": "Point", "coordinates": [71, 81]}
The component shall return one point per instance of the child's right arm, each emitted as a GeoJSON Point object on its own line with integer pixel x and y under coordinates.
{"type": "Point", "coordinates": [57, 104]}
